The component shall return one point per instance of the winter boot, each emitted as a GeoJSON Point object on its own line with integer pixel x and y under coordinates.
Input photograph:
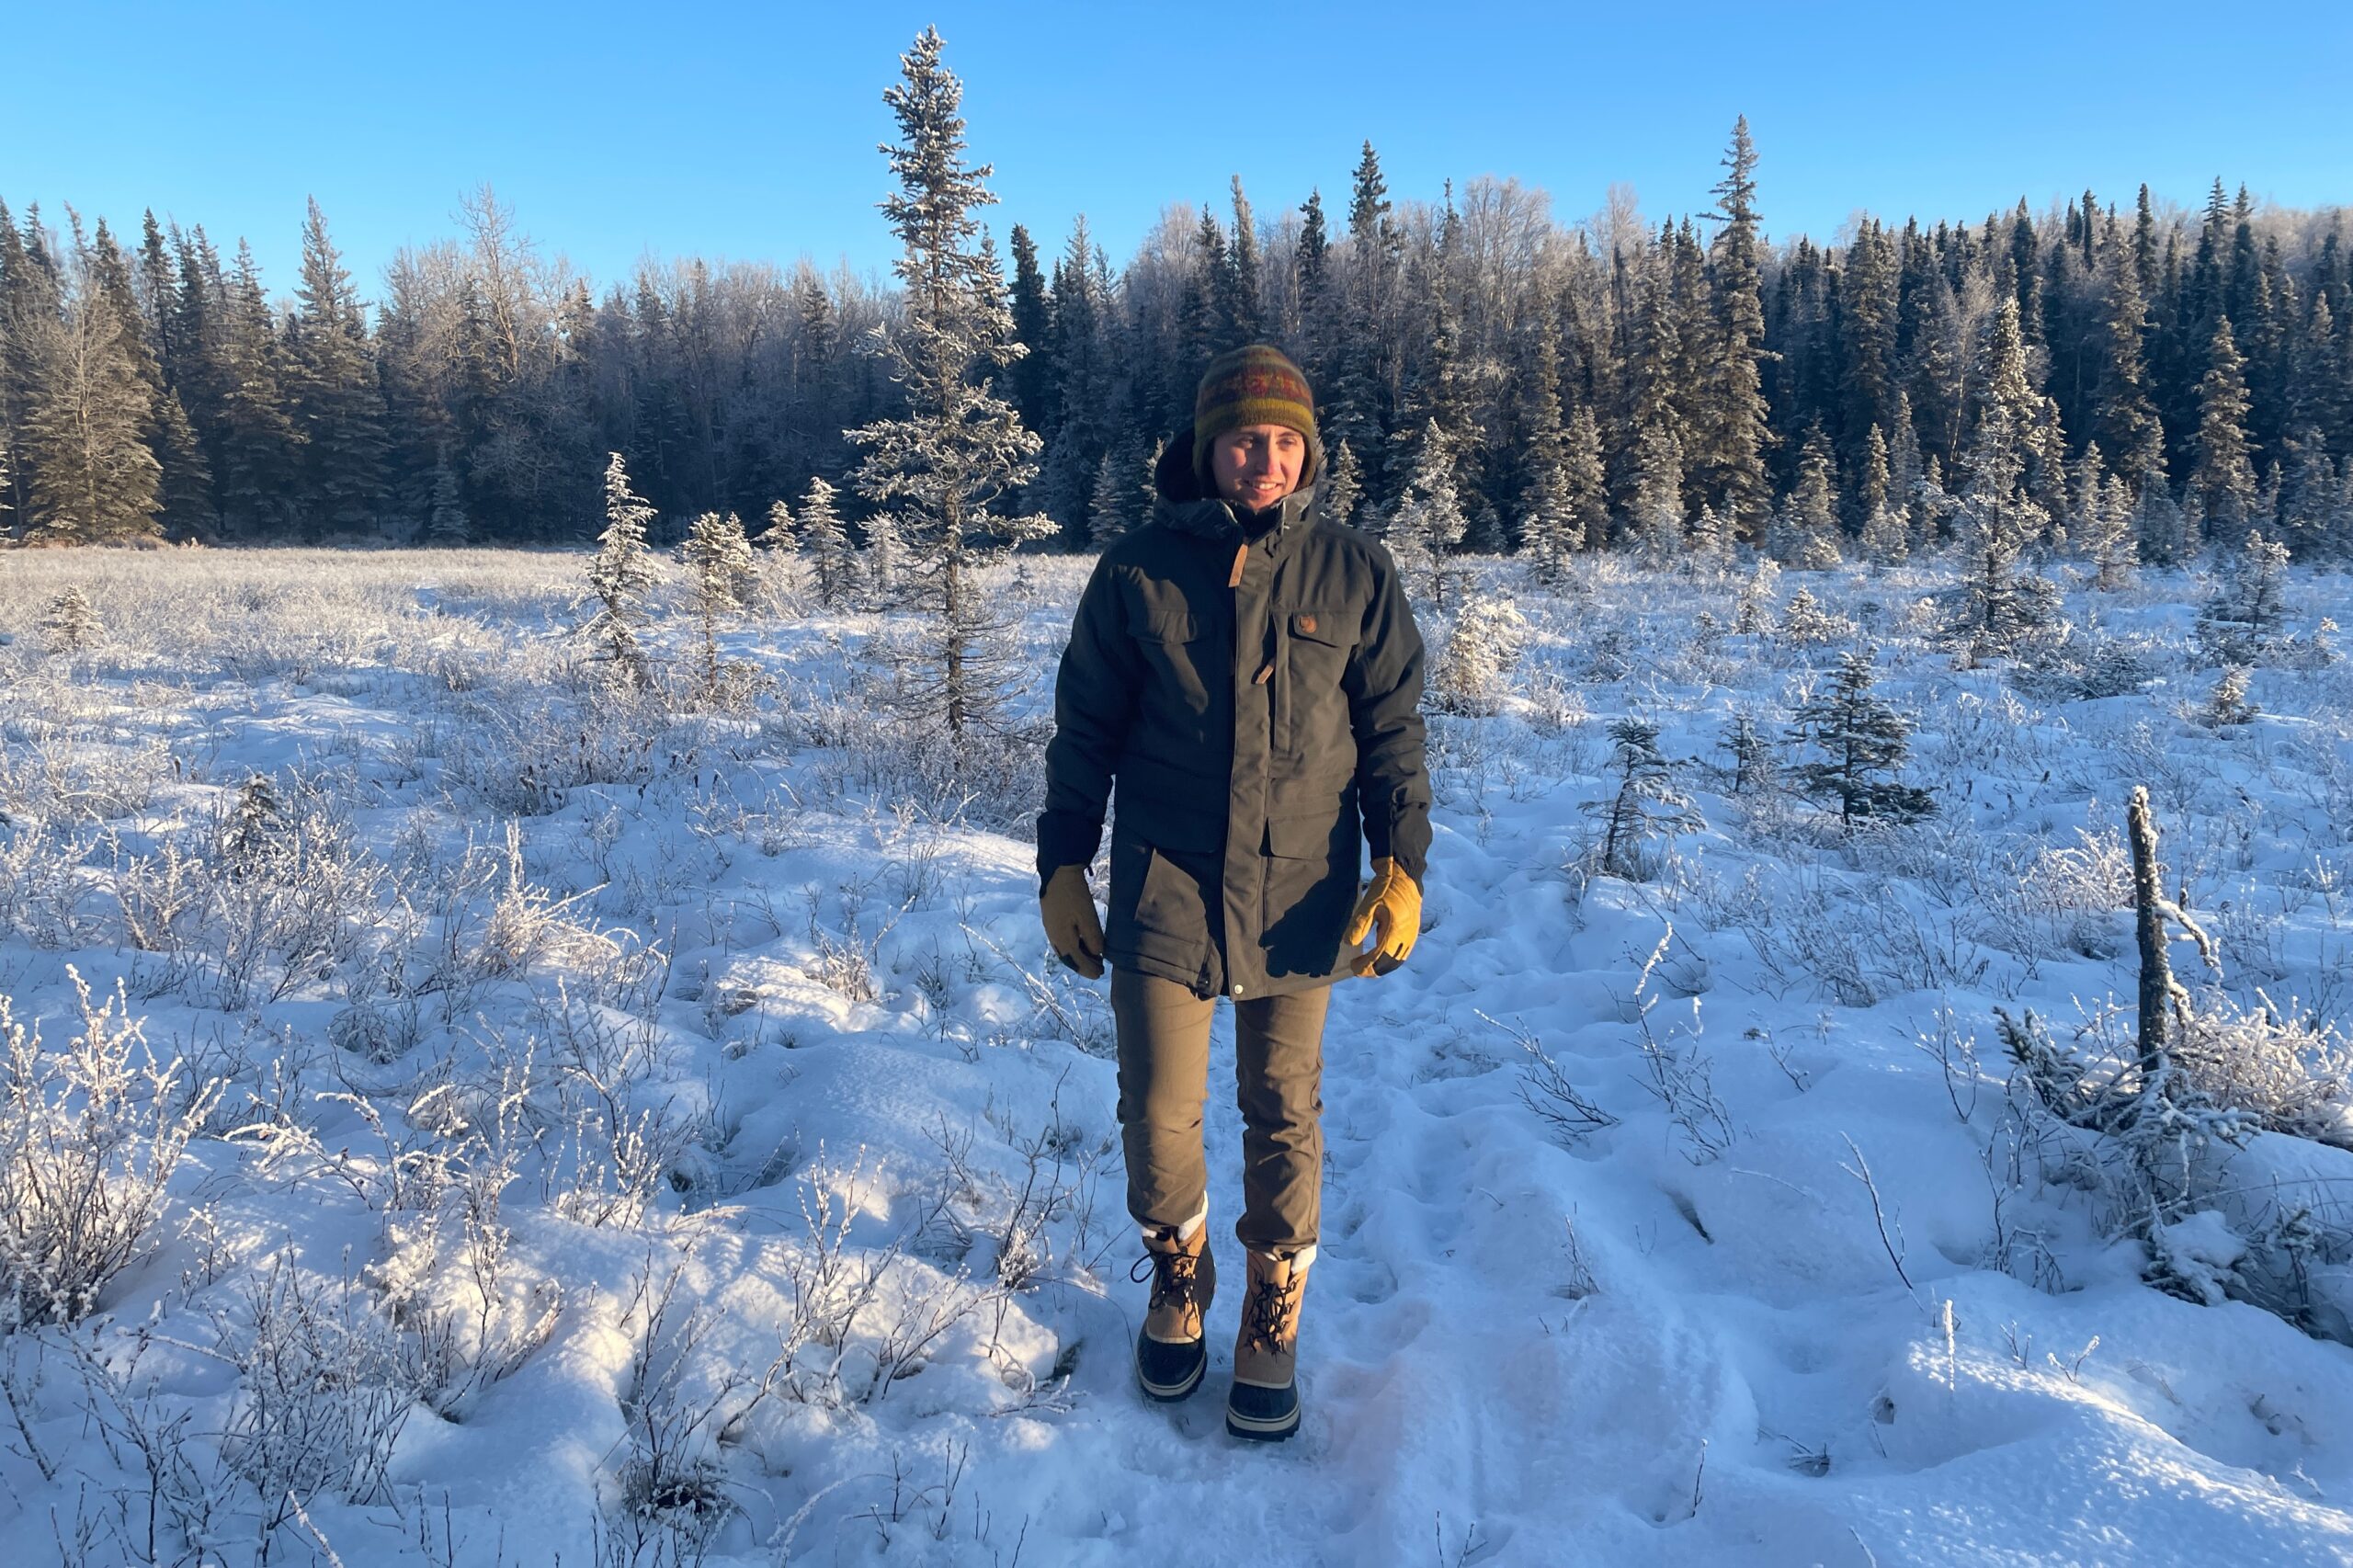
{"type": "Point", "coordinates": [1171, 1354]}
{"type": "Point", "coordinates": [1264, 1405]}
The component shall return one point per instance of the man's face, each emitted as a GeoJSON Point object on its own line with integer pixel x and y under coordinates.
{"type": "Point", "coordinates": [1258, 464]}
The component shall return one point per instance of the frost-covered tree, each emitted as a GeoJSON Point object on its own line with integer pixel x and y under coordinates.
{"type": "Point", "coordinates": [720, 574]}
{"type": "Point", "coordinates": [827, 543]}
{"type": "Point", "coordinates": [1999, 601]}
{"type": "Point", "coordinates": [1805, 623]}
{"type": "Point", "coordinates": [2243, 621]}
{"type": "Point", "coordinates": [1861, 742]}
{"type": "Point", "coordinates": [1646, 803]}
{"type": "Point", "coordinates": [2223, 481]}
{"type": "Point", "coordinates": [334, 398]}
{"type": "Point", "coordinates": [1343, 485]}
{"type": "Point", "coordinates": [1482, 648]}
{"type": "Point", "coordinates": [1107, 506]}
{"type": "Point", "coordinates": [1733, 425]}
{"type": "Point", "coordinates": [1708, 545]}
{"type": "Point", "coordinates": [72, 624]}
{"type": "Point", "coordinates": [2106, 533]}
{"type": "Point", "coordinates": [621, 577]}
{"type": "Point", "coordinates": [1886, 538]}
{"type": "Point", "coordinates": [1656, 527]}
{"type": "Point", "coordinates": [781, 536]}
{"type": "Point", "coordinates": [445, 518]}
{"type": "Point", "coordinates": [1752, 755]}
{"type": "Point", "coordinates": [93, 478]}
{"type": "Point", "coordinates": [939, 469]}
{"type": "Point", "coordinates": [1809, 523]}
{"type": "Point", "coordinates": [1428, 519]}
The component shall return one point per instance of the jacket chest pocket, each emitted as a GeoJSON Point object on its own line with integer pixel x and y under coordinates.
{"type": "Point", "coordinates": [1177, 651]}
{"type": "Point", "coordinates": [1311, 655]}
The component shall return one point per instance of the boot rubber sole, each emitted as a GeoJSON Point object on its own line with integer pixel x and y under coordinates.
{"type": "Point", "coordinates": [1169, 1393]}
{"type": "Point", "coordinates": [1251, 1429]}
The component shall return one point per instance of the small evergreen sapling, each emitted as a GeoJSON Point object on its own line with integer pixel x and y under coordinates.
{"type": "Point", "coordinates": [1107, 510]}
{"type": "Point", "coordinates": [2242, 623]}
{"type": "Point", "coordinates": [2227, 704]}
{"type": "Point", "coordinates": [826, 543]}
{"type": "Point", "coordinates": [1752, 757]}
{"type": "Point", "coordinates": [720, 571]}
{"type": "Point", "coordinates": [1648, 805]}
{"type": "Point", "coordinates": [1482, 649]}
{"type": "Point", "coordinates": [1805, 623]}
{"type": "Point", "coordinates": [1862, 742]}
{"type": "Point", "coordinates": [72, 625]}
{"type": "Point", "coordinates": [620, 577]}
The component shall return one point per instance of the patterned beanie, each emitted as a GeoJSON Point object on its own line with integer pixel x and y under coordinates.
{"type": "Point", "coordinates": [1257, 385]}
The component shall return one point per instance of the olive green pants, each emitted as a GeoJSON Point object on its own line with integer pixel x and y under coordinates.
{"type": "Point", "coordinates": [1164, 1033]}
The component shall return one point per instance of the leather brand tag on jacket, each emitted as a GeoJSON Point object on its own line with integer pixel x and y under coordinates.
{"type": "Point", "coordinates": [1307, 623]}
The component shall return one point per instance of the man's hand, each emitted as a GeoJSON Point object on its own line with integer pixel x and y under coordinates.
{"type": "Point", "coordinates": [1392, 903]}
{"type": "Point", "coordinates": [1072, 925]}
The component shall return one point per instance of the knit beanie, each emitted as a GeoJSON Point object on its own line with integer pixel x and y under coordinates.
{"type": "Point", "coordinates": [1257, 385]}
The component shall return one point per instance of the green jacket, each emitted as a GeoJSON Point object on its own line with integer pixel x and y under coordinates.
{"type": "Point", "coordinates": [1258, 710]}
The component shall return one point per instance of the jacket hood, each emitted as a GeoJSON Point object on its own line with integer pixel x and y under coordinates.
{"type": "Point", "coordinates": [1190, 504]}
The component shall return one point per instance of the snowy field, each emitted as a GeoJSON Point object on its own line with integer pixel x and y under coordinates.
{"type": "Point", "coordinates": [517, 1123]}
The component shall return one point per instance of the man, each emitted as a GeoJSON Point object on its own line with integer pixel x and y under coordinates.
{"type": "Point", "coordinates": [1249, 675]}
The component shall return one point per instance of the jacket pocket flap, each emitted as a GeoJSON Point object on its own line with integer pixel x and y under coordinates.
{"type": "Point", "coordinates": [1318, 626]}
{"type": "Point", "coordinates": [1300, 838]}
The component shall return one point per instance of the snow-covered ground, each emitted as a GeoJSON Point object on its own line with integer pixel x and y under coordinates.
{"type": "Point", "coordinates": [651, 1131]}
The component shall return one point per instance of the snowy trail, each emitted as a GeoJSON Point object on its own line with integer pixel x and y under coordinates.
{"type": "Point", "coordinates": [1676, 1337]}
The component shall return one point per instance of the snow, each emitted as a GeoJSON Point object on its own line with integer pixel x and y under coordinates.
{"type": "Point", "coordinates": [749, 995]}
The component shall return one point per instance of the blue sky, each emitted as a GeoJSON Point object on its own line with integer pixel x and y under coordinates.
{"type": "Point", "coordinates": [749, 131]}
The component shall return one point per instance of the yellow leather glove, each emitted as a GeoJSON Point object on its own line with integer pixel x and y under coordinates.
{"type": "Point", "coordinates": [1072, 925]}
{"type": "Point", "coordinates": [1396, 904]}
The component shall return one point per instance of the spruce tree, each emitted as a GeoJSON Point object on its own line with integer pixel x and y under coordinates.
{"type": "Point", "coordinates": [1862, 742]}
{"type": "Point", "coordinates": [1031, 378]}
{"type": "Point", "coordinates": [1427, 519]}
{"type": "Point", "coordinates": [1240, 305]}
{"type": "Point", "coordinates": [1656, 525]}
{"type": "Point", "coordinates": [720, 573]}
{"type": "Point", "coordinates": [93, 479]}
{"type": "Point", "coordinates": [1343, 484]}
{"type": "Point", "coordinates": [1586, 481]}
{"type": "Point", "coordinates": [1107, 510]}
{"type": "Point", "coordinates": [1811, 518]}
{"type": "Point", "coordinates": [1998, 602]}
{"type": "Point", "coordinates": [2223, 481]}
{"type": "Point", "coordinates": [184, 480]}
{"type": "Point", "coordinates": [827, 543]}
{"type": "Point", "coordinates": [333, 395]}
{"type": "Point", "coordinates": [255, 469]}
{"type": "Point", "coordinates": [1734, 425]}
{"type": "Point", "coordinates": [2127, 419]}
{"type": "Point", "coordinates": [1646, 803]}
{"type": "Point", "coordinates": [445, 521]}
{"type": "Point", "coordinates": [959, 448]}
{"type": "Point", "coordinates": [622, 578]}
{"type": "Point", "coordinates": [1887, 532]}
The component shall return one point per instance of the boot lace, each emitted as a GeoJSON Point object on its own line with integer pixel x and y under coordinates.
{"type": "Point", "coordinates": [1266, 1316]}
{"type": "Point", "coordinates": [1175, 1278]}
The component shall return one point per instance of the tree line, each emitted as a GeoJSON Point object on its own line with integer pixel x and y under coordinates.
{"type": "Point", "coordinates": [2112, 379]}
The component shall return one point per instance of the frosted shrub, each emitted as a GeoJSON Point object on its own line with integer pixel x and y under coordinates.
{"type": "Point", "coordinates": [88, 1142]}
{"type": "Point", "coordinates": [72, 625]}
{"type": "Point", "coordinates": [1806, 624]}
{"type": "Point", "coordinates": [322, 1395]}
{"type": "Point", "coordinates": [1481, 650]}
{"type": "Point", "coordinates": [2293, 1076]}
